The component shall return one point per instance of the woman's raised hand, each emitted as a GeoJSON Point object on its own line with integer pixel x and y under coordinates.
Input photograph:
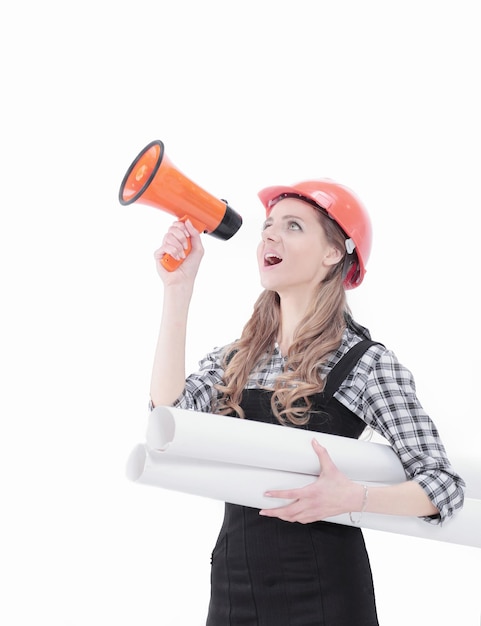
{"type": "Point", "coordinates": [176, 244]}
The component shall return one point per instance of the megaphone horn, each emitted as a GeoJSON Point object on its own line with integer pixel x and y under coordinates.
{"type": "Point", "coordinates": [153, 180]}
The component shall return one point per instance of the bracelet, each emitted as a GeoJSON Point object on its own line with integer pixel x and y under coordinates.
{"type": "Point", "coordinates": [357, 521]}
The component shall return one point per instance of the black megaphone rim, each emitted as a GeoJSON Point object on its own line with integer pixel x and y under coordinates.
{"type": "Point", "coordinates": [156, 142]}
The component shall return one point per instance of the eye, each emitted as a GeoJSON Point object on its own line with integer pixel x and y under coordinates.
{"type": "Point", "coordinates": [293, 225]}
{"type": "Point", "coordinates": [266, 225]}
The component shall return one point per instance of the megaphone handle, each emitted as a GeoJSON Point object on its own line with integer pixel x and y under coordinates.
{"type": "Point", "coordinates": [171, 264]}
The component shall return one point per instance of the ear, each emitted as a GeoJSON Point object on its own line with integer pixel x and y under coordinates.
{"type": "Point", "coordinates": [332, 256]}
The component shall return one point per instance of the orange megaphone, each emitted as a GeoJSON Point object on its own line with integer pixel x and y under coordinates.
{"type": "Point", "coordinates": [153, 180]}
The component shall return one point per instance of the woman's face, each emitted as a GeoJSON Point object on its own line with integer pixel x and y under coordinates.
{"type": "Point", "coordinates": [294, 255]}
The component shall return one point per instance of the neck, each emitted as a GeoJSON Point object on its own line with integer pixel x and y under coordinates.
{"type": "Point", "coordinates": [292, 312]}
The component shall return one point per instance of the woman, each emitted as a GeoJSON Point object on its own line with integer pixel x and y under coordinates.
{"type": "Point", "coordinates": [303, 362]}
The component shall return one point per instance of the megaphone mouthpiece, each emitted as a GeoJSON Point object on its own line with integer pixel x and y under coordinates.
{"type": "Point", "coordinates": [153, 180]}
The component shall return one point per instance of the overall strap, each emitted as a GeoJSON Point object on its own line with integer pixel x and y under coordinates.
{"type": "Point", "coordinates": [342, 368]}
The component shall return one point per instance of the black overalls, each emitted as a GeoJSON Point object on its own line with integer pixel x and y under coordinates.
{"type": "Point", "coordinates": [268, 572]}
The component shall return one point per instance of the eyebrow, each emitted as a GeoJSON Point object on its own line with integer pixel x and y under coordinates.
{"type": "Point", "coordinates": [286, 217]}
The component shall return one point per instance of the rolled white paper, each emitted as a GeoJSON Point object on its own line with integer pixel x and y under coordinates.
{"type": "Point", "coordinates": [237, 461]}
{"type": "Point", "coordinates": [246, 442]}
{"type": "Point", "coordinates": [245, 485]}
{"type": "Point", "coordinates": [228, 482]}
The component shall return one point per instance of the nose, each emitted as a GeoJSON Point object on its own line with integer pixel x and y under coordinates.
{"type": "Point", "coordinates": [270, 234]}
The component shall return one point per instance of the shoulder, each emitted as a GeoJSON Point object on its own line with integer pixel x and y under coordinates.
{"type": "Point", "coordinates": [215, 359]}
{"type": "Point", "coordinates": [376, 362]}
{"type": "Point", "coordinates": [358, 339]}
{"type": "Point", "coordinates": [377, 383]}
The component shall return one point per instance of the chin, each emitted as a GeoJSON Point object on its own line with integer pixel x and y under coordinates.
{"type": "Point", "coordinates": [271, 285]}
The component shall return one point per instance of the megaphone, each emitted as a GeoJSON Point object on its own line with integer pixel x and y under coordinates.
{"type": "Point", "coordinates": [153, 180]}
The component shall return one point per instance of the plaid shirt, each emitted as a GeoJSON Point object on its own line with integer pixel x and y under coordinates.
{"type": "Point", "coordinates": [381, 392]}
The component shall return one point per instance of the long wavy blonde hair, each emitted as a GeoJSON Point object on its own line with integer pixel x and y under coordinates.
{"type": "Point", "coordinates": [318, 334]}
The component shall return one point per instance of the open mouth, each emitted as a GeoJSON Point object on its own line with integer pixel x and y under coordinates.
{"type": "Point", "coordinates": [271, 259]}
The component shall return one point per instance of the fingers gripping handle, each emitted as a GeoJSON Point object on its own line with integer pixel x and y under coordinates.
{"type": "Point", "coordinates": [167, 261]}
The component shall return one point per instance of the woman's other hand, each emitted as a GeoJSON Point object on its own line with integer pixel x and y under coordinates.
{"type": "Point", "coordinates": [331, 494]}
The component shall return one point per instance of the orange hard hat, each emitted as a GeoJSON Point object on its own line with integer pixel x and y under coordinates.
{"type": "Point", "coordinates": [344, 207]}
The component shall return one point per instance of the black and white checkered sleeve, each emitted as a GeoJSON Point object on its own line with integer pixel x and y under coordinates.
{"type": "Point", "coordinates": [199, 388]}
{"type": "Point", "coordinates": [391, 407]}
{"type": "Point", "coordinates": [382, 392]}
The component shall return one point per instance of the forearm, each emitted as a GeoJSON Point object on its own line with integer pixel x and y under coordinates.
{"type": "Point", "coordinates": [333, 493]}
{"type": "Point", "coordinates": [168, 371]}
{"type": "Point", "coordinates": [406, 498]}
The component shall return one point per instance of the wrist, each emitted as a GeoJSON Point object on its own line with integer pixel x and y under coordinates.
{"type": "Point", "coordinates": [177, 296]}
{"type": "Point", "coordinates": [362, 499]}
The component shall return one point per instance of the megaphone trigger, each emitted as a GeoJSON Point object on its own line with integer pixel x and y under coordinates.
{"type": "Point", "coordinates": [153, 180]}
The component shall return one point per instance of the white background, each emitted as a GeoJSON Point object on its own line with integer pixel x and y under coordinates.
{"type": "Point", "coordinates": [381, 96]}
